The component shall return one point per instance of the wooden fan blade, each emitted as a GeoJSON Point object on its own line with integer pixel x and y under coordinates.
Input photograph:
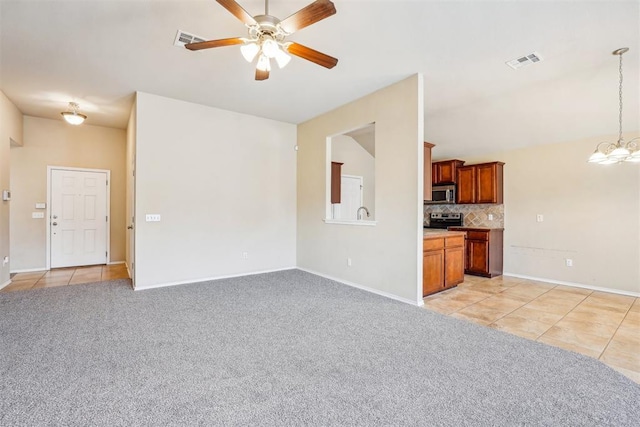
{"type": "Point", "coordinates": [262, 75]}
{"type": "Point", "coordinates": [312, 55]}
{"type": "Point", "coordinates": [316, 11]}
{"type": "Point", "coordinates": [214, 43]}
{"type": "Point", "coordinates": [237, 11]}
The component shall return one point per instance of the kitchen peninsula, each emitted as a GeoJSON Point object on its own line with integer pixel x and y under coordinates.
{"type": "Point", "coordinates": [443, 260]}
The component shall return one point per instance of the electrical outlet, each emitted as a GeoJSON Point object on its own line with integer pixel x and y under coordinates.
{"type": "Point", "coordinates": [245, 255]}
{"type": "Point", "coordinates": [539, 217]}
{"type": "Point", "coordinates": [568, 262]}
{"type": "Point", "coordinates": [348, 262]}
{"type": "Point", "coordinates": [5, 261]}
{"type": "Point", "coordinates": [490, 216]}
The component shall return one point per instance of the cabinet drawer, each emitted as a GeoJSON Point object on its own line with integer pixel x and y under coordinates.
{"type": "Point", "coordinates": [478, 235]}
{"type": "Point", "coordinates": [455, 242]}
{"type": "Point", "coordinates": [433, 244]}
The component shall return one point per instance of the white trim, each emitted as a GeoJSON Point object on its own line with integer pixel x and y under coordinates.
{"type": "Point", "coordinates": [116, 262]}
{"type": "Point", "coordinates": [576, 285]}
{"type": "Point", "coordinates": [418, 303]}
{"type": "Point", "coordinates": [48, 211]}
{"type": "Point", "coordinates": [29, 270]}
{"type": "Point", "coordinates": [207, 279]}
{"type": "Point", "coordinates": [7, 283]}
{"type": "Point", "coordinates": [344, 222]}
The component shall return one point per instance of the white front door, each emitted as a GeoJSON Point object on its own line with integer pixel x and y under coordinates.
{"type": "Point", "coordinates": [78, 218]}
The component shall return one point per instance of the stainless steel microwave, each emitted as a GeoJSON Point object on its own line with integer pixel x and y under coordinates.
{"type": "Point", "coordinates": [442, 194]}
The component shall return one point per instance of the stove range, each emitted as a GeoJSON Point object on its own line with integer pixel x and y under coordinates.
{"type": "Point", "coordinates": [444, 220]}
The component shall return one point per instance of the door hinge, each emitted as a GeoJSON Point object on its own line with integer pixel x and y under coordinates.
{"type": "Point", "coordinates": [107, 182]}
{"type": "Point", "coordinates": [106, 218]}
{"type": "Point", "coordinates": [106, 254]}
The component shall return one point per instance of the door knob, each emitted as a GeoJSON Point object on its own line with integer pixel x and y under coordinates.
{"type": "Point", "coordinates": [130, 227]}
{"type": "Point", "coordinates": [55, 217]}
{"type": "Point", "coordinates": [54, 223]}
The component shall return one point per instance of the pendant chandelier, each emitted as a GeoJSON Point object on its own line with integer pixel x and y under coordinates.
{"type": "Point", "coordinates": [616, 152]}
{"type": "Point", "coordinates": [72, 116]}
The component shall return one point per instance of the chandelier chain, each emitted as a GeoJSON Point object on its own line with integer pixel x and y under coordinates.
{"type": "Point", "coordinates": [620, 99]}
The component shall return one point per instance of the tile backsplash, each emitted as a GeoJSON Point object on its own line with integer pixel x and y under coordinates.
{"type": "Point", "coordinates": [473, 215]}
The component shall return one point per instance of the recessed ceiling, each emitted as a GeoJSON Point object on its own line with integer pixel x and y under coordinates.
{"type": "Point", "coordinates": [98, 53]}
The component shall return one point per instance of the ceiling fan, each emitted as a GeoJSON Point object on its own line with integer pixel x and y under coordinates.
{"type": "Point", "coordinates": [267, 36]}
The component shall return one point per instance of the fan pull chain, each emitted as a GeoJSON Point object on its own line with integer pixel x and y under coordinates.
{"type": "Point", "coordinates": [266, 7]}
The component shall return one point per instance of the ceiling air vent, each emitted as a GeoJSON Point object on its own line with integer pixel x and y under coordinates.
{"type": "Point", "coordinates": [183, 38]}
{"type": "Point", "coordinates": [532, 58]}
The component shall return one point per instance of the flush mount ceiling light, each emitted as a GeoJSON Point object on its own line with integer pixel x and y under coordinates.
{"type": "Point", "coordinates": [616, 152]}
{"type": "Point", "coordinates": [267, 35]}
{"type": "Point", "coordinates": [72, 116]}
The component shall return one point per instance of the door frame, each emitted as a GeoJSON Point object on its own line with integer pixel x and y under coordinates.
{"type": "Point", "coordinates": [48, 211]}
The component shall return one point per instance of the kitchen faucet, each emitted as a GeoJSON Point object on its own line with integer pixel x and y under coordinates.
{"type": "Point", "coordinates": [359, 214]}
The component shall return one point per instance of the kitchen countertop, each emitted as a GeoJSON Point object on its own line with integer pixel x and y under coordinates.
{"type": "Point", "coordinates": [435, 232]}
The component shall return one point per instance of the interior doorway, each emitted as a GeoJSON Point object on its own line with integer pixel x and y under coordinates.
{"type": "Point", "coordinates": [78, 212]}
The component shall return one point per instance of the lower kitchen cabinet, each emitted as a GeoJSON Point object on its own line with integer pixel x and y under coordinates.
{"type": "Point", "coordinates": [443, 262]}
{"type": "Point", "coordinates": [483, 250]}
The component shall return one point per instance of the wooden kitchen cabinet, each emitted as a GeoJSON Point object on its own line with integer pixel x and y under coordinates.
{"type": "Point", "coordinates": [482, 183]}
{"type": "Point", "coordinates": [427, 169]}
{"type": "Point", "coordinates": [336, 176]}
{"type": "Point", "coordinates": [443, 262]}
{"type": "Point", "coordinates": [444, 172]}
{"type": "Point", "coordinates": [433, 272]}
{"type": "Point", "coordinates": [483, 251]}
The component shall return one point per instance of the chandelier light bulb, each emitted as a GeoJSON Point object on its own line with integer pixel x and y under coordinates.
{"type": "Point", "coordinates": [282, 58]}
{"type": "Point", "coordinates": [597, 157]}
{"type": "Point", "coordinates": [270, 48]}
{"type": "Point", "coordinates": [249, 51]}
{"type": "Point", "coordinates": [264, 63]}
{"type": "Point", "coordinates": [619, 153]}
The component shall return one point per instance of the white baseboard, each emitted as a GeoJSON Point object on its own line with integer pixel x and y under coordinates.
{"type": "Point", "coordinates": [115, 262]}
{"type": "Point", "coordinates": [575, 285]}
{"type": "Point", "coordinates": [207, 279]}
{"type": "Point", "coordinates": [365, 288]}
{"type": "Point", "coordinates": [5, 284]}
{"type": "Point", "coordinates": [29, 270]}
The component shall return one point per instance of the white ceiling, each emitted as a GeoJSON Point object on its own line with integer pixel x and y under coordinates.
{"type": "Point", "coordinates": [99, 53]}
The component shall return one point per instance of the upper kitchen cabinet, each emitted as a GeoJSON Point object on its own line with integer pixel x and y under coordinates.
{"type": "Point", "coordinates": [426, 176]}
{"type": "Point", "coordinates": [482, 183]}
{"type": "Point", "coordinates": [445, 172]}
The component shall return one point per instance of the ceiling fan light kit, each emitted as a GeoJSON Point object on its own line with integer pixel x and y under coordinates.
{"type": "Point", "coordinates": [267, 35]}
{"type": "Point", "coordinates": [72, 116]}
{"type": "Point", "coordinates": [608, 153]}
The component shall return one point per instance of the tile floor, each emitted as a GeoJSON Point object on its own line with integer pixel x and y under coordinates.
{"type": "Point", "coordinates": [601, 325]}
{"type": "Point", "coordinates": [66, 276]}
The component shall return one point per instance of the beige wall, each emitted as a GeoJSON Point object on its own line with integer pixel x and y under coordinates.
{"type": "Point", "coordinates": [56, 143]}
{"type": "Point", "coordinates": [386, 258]}
{"type": "Point", "coordinates": [357, 161]}
{"type": "Point", "coordinates": [223, 183]}
{"type": "Point", "coordinates": [590, 216]}
{"type": "Point", "coordinates": [10, 133]}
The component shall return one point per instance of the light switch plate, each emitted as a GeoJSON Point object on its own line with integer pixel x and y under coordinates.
{"type": "Point", "coordinates": [41, 206]}
{"type": "Point", "coordinates": [37, 215]}
{"type": "Point", "coordinates": [152, 217]}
